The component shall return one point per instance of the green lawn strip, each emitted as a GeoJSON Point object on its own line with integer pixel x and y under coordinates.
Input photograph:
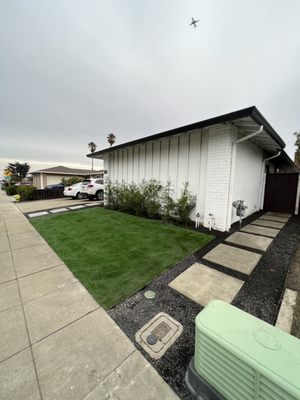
{"type": "Point", "coordinates": [114, 254]}
{"type": "Point", "coordinates": [296, 318]}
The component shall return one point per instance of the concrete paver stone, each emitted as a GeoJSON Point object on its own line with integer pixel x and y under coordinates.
{"type": "Point", "coordinates": [17, 378]}
{"type": "Point", "coordinates": [73, 361]}
{"type": "Point", "coordinates": [203, 284]}
{"type": "Point", "coordinates": [37, 214]}
{"type": "Point", "coordinates": [286, 312]}
{"type": "Point", "coordinates": [274, 218]}
{"type": "Point", "coordinates": [9, 295]}
{"type": "Point", "coordinates": [76, 207]}
{"type": "Point", "coordinates": [7, 272]}
{"type": "Point", "coordinates": [13, 332]}
{"type": "Point", "coordinates": [34, 259]}
{"type": "Point", "coordinates": [47, 281]}
{"type": "Point", "coordinates": [278, 214]}
{"type": "Point", "coordinates": [237, 259]}
{"type": "Point", "coordinates": [249, 240]}
{"type": "Point", "coordinates": [269, 224]}
{"type": "Point", "coordinates": [260, 230]}
{"type": "Point", "coordinates": [133, 379]}
{"type": "Point", "coordinates": [53, 311]}
{"type": "Point", "coordinates": [59, 210]}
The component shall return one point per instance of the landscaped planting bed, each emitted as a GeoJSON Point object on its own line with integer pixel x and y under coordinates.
{"type": "Point", "coordinates": [260, 296]}
{"type": "Point", "coordinates": [114, 254]}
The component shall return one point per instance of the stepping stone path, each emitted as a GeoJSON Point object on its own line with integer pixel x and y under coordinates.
{"type": "Point", "coordinates": [269, 224]}
{"type": "Point", "coordinates": [64, 209]}
{"type": "Point", "coordinates": [231, 257]}
{"type": "Point", "coordinates": [252, 241]}
{"type": "Point", "coordinates": [274, 218]}
{"type": "Point", "coordinates": [260, 230]}
{"type": "Point", "coordinates": [202, 283]}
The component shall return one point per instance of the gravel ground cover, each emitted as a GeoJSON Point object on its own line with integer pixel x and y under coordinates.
{"type": "Point", "coordinates": [260, 296]}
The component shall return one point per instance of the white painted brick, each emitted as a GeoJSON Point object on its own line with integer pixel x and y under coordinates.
{"type": "Point", "coordinates": [220, 141]}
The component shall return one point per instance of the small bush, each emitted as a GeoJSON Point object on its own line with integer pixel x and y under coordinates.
{"type": "Point", "coordinates": [150, 199]}
{"type": "Point", "coordinates": [167, 203]}
{"type": "Point", "coordinates": [11, 190]}
{"type": "Point", "coordinates": [25, 192]}
{"type": "Point", "coordinates": [71, 181]}
{"type": "Point", "coordinates": [185, 204]}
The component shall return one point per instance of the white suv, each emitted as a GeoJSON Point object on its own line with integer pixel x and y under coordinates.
{"type": "Point", "coordinates": [93, 187]}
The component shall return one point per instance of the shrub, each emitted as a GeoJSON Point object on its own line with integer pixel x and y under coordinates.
{"type": "Point", "coordinates": [167, 203]}
{"type": "Point", "coordinates": [71, 181]}
{"type": "Point", "coordinates": [11, 190]}
{"type": "Point", "coordinates": [25, 192]}
{"type": "Point", "coordinates": [150, 192]}
{"type": "Point", "coordinates": [184, 205]}
{"type": "Point", "coordinates": [149, 199]}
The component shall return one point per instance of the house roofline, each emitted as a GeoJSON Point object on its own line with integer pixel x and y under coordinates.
{"type": "Point", "coordinates": [245, 112]}
{"type": "Point", "coordinates": [66, 173]}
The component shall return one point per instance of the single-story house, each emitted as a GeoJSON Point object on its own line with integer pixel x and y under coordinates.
{"type": "Point", "coordinates": [223, 159]}
{"type": "Point", "coordinates": [49, 176]}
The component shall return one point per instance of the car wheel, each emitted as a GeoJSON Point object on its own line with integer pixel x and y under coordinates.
{"type": "Point", "coordinates": [99, 195]}
{"type": "Point", "coordinates": [79, 196]}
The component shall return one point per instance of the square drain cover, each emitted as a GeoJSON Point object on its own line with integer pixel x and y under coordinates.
{"type": "Point", "coordinates": [158, 335]}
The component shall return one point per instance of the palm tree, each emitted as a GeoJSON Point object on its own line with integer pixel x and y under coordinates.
{"type": "Point", "coordinates": [92, 146]}
{"type": "Point", "coordinates": [111, 138]}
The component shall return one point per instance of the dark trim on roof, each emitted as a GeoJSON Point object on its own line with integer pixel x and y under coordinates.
{"type": "Point", "coordinates": [235, 115]}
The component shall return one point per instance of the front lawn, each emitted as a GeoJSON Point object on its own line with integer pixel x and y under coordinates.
{"type": "Point", "coordinates": [115, 254]}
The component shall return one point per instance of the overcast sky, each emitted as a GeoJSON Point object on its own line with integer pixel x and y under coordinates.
{"type": "Point", "coordinates": [72, 71]}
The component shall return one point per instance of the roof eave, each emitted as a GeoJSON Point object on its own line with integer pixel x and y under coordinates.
{"type": "Point", "coordinates": [245, 112]}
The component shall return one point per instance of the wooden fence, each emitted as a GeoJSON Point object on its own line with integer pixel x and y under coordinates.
{"type": "Point", "coordinates": [44, 194]}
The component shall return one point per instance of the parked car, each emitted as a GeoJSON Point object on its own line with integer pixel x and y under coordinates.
{"type": "Point", "coordinates": [93, 188]}
{"type": "Point", "coordinates": [74, 191]}
{"type": "Point", "coordinates": [55, 186]}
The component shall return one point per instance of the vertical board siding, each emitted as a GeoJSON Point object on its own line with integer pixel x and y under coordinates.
{"type": "Point", "coordinates": [181, 158]}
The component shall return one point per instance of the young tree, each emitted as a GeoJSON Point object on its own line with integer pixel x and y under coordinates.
{"type": "Point", "coordinates": [19, 171]}
{"type": "Point", "coordinates": [92, 146]}
{"type": "Point", "coordinates": [111, 138]}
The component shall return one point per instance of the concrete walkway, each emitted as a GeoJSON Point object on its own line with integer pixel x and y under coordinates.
{"type": "Point", "coordinates": [56, 341]}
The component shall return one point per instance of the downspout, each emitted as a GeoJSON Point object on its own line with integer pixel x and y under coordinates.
{"type": "Point", "coordinates": [232, 169]}
{"type": "Point", "coordinates": [262, 192]}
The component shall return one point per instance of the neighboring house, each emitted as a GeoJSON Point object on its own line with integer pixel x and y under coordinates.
{"type": "Point", "coordinates": [49, 176]}
{"type": "Point", "coordinates": [223, 159]}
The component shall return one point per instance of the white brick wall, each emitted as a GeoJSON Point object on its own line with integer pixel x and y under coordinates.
{"type": "Point", "coordinates": [220, 141]}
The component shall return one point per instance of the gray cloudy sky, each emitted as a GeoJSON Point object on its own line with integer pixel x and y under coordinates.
{"type": "Point", "coordinates": [72, 71]}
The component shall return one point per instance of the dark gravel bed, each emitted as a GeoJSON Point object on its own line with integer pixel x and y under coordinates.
{"type": "Point", "coordinates": [260, 296]}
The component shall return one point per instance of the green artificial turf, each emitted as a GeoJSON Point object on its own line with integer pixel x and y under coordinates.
{"type": "Point", "coordinates": [115, 254]}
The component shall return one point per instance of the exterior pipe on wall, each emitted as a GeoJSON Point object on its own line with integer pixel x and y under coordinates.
{"type": "Point", "coordinates": [262, 179]}
{"type": "Point", "coordinates": [232, 169]}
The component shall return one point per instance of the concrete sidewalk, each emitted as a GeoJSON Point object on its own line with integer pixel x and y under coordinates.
{"type": "Point", "coordinates": [56, 341]}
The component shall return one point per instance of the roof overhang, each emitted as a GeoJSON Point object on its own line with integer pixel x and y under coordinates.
{"type": "Point", "coordinates": [246, 120]}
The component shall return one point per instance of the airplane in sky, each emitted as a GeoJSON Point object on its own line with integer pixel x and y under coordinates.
{"type": "Point", "coordinates": [194, 22]}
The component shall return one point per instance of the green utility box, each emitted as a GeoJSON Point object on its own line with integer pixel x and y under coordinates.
{"type": "Point", "coordinates": [240, 357]}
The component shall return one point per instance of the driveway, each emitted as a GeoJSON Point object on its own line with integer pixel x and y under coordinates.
{"type": "Point", "coordinates": [38, 205]}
